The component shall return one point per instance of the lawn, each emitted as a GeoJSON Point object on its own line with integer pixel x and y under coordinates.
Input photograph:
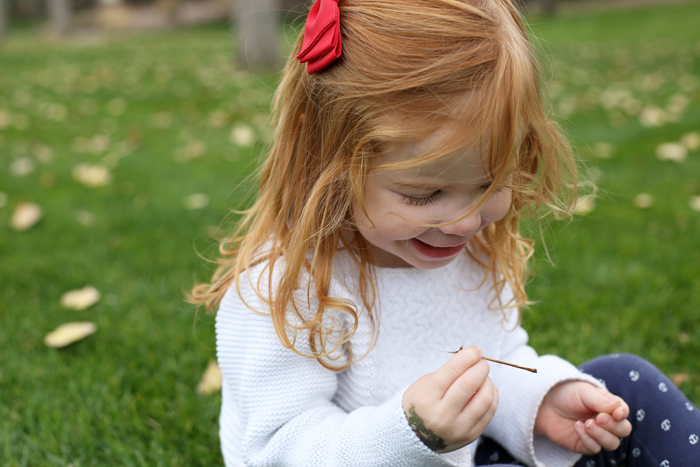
{"type": "Point", "coordinates": [137, 148]}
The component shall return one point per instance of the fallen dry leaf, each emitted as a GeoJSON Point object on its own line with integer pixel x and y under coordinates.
{"type": "Point", "coordinates": [5, 119]}
{"type": "Point", "coordinates": [584, 205]}
{"type": "Point", "coordinates": [679, 378]}
{"type": "Point", "coordinates": [162, 120]}
{"type": "Point", "coordinates": [22, 166]}
{"type": "Point", "coordinates": [218, 119]}
{"type": "Point", "coordinates": [80, 299]}
{"type": "Point", "coordinates": [84, 218]}
{"type": "Point", "coordinates": [68, 333]}
{"type": "Point", "coordinates": [26, 215]}
{"type": "Point", "coordinates": [196, 201]}
{"type": "Point", "coordinates": [211, 380]}
{"type": "Point", "coordinates": [652, 116]}
{"type": "Point", "coordinates": [677, 104]}
{"type": "Point", "coordinates": [603, 150]}
{"type": "Point", "coordinates": [671, 152]}
{"type": "Point", "coordinates": [643, 201]}
{"type": "Point", "coordinates": [691, 141]}
{"type": "Point", "coordinates": [43, 153]}
{"type": "Point", "coordinates": [242, 135]}
{"type": "Point", "coordinates": [694, 203]}
{"type": "Point", "coordinates": [195, 149]}
{"type": "Point", "coordinates": [116, 106]}
{"type": "Point", "coordinates": [92, 175]}
{"type": "Point", "coordinates": [98, 144]}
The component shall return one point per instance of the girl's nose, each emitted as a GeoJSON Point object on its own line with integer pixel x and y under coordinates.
{"type": "Point", "coordinates": [464, 227]}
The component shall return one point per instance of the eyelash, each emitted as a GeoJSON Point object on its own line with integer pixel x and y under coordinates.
{"type": "Point", "coordinates": [430, 199]}
{"type": "Point", "coordinates": [413, 201]}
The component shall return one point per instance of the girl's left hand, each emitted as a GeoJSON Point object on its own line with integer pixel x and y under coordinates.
{"type": "Point", "coordinates": [583, 418]}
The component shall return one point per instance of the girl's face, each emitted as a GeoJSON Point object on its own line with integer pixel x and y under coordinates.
{"type": "Point", "coordinates": [434, 193]}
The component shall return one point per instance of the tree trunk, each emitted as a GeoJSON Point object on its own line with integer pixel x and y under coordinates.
{"type": "Point", "coordinates": [60, 14]}
{"type": "Point", "coordinates": [170, 8]}
{"type": "Point", "coordinates": [4, 16]}
{"type": "Point", "coordinates": [258, 28]}
{"type": "Point", "coordinates": [543, 7]}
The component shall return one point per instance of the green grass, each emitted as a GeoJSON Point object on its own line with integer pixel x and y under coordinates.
{"type": "Point", "coordinates": [625, 280]}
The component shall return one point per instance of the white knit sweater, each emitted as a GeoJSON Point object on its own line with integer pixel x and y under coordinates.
{"type": "Point", "coordinates": [282, 409]}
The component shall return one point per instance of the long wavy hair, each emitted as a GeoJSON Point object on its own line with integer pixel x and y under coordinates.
{"type": "Point", "coordinates": [407, 70]}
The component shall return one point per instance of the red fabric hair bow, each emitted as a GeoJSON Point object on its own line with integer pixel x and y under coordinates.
{"type": "Point", "coordinates": [321, 45]}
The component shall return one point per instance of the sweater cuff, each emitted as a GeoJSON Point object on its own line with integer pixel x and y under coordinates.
{"type": "Point", "coordinates": [544, 452]}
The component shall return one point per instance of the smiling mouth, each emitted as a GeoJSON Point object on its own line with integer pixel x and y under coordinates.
{"type": "Point", "coordinates": [437, 251]}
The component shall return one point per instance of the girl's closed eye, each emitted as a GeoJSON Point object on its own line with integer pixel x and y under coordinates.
{"type": "Point", "coordinates": [421, 200]}
{"type": "Point", "coordinates": [431, 198]}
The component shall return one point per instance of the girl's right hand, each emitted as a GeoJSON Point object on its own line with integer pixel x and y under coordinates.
{"type": "Point", "coordinates": [450, 408]}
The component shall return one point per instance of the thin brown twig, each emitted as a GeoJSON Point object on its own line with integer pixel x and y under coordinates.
{"type": "Point", "coordinates": [533, 370]}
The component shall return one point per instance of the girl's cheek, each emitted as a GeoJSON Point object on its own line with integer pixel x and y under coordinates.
{"type": "Point", "coordinates": [497, 207]}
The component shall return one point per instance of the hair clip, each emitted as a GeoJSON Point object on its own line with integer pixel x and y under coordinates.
{"type": "Point", "coordinates": [321, 45]}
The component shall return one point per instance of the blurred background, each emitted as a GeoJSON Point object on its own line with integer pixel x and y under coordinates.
{"type": "Point", "coordinates": [128, 134]}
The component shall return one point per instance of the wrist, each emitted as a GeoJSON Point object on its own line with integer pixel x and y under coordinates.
{"type": "Point", "coordinates": [427, 437]}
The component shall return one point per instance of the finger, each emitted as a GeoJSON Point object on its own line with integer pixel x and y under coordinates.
{"type": "Point", "coordinates": [622, 412]}
{"type": "Point", "coordinates": [467, 386]}
{"type": "Point", "coordinates": [588, 444]}
{"type": "Point", "coordinates": [447, 374]}
{"type": "Point", "coordinates": [600, 400]}
{"type": "Point", "coordinates": [600, 435]}
{"type": "Point", "coordinates": [481, 401]}
{"type": "Point", "coordinates": [620, 429]}
{"type": "Point", "coordinates": [478, 413]}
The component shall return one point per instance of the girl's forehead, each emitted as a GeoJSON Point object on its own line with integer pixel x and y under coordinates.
{"type": "Point", "coordinates": [433, 152]}
{"type": "Point", "coordinates": [426, 159]}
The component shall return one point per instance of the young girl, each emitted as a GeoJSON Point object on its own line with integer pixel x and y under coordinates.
{"type": "Point", "coordinates": [409, 140]}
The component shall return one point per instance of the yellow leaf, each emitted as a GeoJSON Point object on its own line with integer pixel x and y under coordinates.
{"type": "Point", "coordinates": [691, 141]}
{"type": "Point", "coordinates": [196, 201]}
{"type": "Point", "coordinates": [26, 215]}
{"type": "Point", "coordinates": [92, 175]}
{"type": "Point", "coordinates": [584, 205]}
{"type": "Point", "coordinates": [242, 135]}
{"type": "Point", "coordinates": [604, 150]}
{"type": "Point", "coordinates": [211, 380]}
{"type": "Point", "coordinates": [671, 152]}
{"type": "Point", "coordinates": [22, 166]}
{"type": "Point", "coordinates": [643, 201]}
{"type": "Point", "coordinates": [679, 378]}
{"type": "Point", "coordinates": [694, 203]}
{"type": "Point", "coordinates": [84, 218]}
{"type": "Point", "coordinates": [68, 333]}
{"type": "Point", "coordinates": [80, 299]}
{"type": "Point", "coordinates": [652, 116]}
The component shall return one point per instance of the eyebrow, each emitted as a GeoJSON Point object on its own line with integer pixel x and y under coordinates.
{"type": "Point", "coordinates": [435, 186]}
{"type": "Point", "coordinates": [419, 185]}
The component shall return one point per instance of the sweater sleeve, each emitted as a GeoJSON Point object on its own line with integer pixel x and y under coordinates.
{"type": "Point", "coordinates": [520, 396]}
{"type": "Point", "coordinates": [277, 406]}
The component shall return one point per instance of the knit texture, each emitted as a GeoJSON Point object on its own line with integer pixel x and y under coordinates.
{"type": "Point", "coordinates": [282, 409]}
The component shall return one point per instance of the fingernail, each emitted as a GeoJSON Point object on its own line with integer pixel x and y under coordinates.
{"type": "Point", "coordinates": [589, 423]}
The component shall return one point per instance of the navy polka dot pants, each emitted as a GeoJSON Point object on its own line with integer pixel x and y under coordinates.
{"type": "Point", "coordinates": [665, 424]}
